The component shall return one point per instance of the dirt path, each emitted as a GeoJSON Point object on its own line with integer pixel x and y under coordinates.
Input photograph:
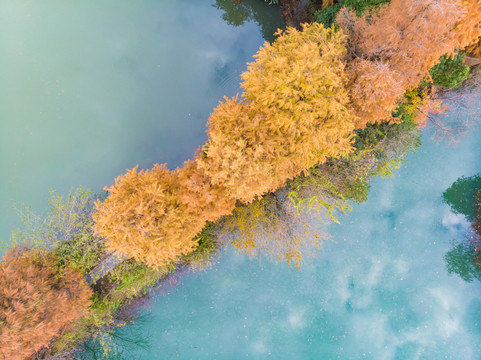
{"type": "Point", "coordinates": [104, 268]}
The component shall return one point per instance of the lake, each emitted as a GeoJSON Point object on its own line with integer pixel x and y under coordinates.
{"type": "Point", "coordinates": [89, 89]}
{"type": "Point", "coordinates": [379, 289]}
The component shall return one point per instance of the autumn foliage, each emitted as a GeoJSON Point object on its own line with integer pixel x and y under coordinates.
{"type": "Point", "coordinates": [394, 48]}
{"type": "Point", "coordinates": [375, 88]}
{"type": "Point", "coordinates": [235, 157]}
{"type": "Point", "coordinates": [468, 29]}
{"type": "Point", "coordinates": [294, 113]}
{"type": "Point", "coordinates": [145, 218]}
{"type": "Point", "coordinates": [203, 199]}
{"type": "Point", "coordinates": [302, 98]}
{"type": "Point", "coordinates": [35, 301]}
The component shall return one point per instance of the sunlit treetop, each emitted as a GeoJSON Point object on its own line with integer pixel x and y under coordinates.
{"type": "Point", "coordinates": [294, 114]}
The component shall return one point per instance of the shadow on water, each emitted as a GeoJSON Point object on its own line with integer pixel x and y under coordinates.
{"type": "Point", "coordinates": [461, 196]}
{"type": "Point", "coordinates": [268, 17]}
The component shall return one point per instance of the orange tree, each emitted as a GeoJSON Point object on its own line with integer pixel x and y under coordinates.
{"type": "Point", "coordinates": [294, 114]}
{"type": "Point", "coordinates": [394, 48]}
{"type": "Point", "coordinates": [36, 301]}
{"type": "Point", "coordinates": [468, 29]}
{"type": "Point", "coordinates": [299, 107]}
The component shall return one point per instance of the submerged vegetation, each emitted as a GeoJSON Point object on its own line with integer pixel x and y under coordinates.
{"type": "Point", "coordinates": [323, 110]}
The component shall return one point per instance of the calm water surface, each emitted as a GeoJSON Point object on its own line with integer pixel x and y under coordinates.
{"type": "Point", "coordinates": [379, 290]}
{"type": "Point", "coordinates": [90, 88]}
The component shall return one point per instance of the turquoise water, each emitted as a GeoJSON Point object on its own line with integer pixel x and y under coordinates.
{"type": "Point", "coordinates": [379, 289]}
{"type": "Point", "coordinates": [90, 88]}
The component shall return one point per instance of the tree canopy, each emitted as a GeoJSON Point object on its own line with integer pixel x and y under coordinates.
{"type": "Point", "coordinates": [394, 48]}
{"type": "Point", "coordinates": [303, 97]}
{"type": "Point", "coordinates": [293, 114]}
{"type": "Point", "coordinates": [36, 301]}
{"type": "Point", "coordinates": [144, 217]}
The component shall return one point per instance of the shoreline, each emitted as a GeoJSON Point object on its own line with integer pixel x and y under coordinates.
{"type": "Point", "coordinates": [129, 284]}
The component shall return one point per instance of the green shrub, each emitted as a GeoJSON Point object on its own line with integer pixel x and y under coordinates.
{"type": "Point", "coordinates": [132, 278]}
{"type": "Point", "coordinates": [360, 6]}
{"type": "Point", "coordinates": [450, 72]}
{"type": "Point", "coordinates": [65, 228]}
{"type": "Point", "coordinates": [327, 15]}
{"type": "Point", "coordinates": [202, 257]}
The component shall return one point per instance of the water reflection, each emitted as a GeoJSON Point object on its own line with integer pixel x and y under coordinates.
{"type": "Point", "coordinates": [461, 260]}
{"type": "Point", "coordinates": [461, 196]}
{"type": "Point", "coordinates": [251, 10]}
{"type": "Point", "coordinates": [121, 344]}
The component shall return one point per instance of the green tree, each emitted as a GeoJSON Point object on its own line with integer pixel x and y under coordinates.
{"type": "Point", "coordinates": [450, 72]}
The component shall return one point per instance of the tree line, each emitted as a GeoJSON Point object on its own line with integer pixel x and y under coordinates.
{"type": "Point", "coordinates": [309, 98]}
{"type": "Point", "coordinates": [303, 97]}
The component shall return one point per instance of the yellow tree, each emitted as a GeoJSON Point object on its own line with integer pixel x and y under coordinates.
{"type": "Point", "coordinates": [144, 217]}
{"type": "Point", "coordinates": [202, 198]}
{"type": "Point", "coordinates": [240, 153]}
{"type": "Point", "coordinates": [300, 84]}
{"type": "Point", "coordinates": [293, 115]}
